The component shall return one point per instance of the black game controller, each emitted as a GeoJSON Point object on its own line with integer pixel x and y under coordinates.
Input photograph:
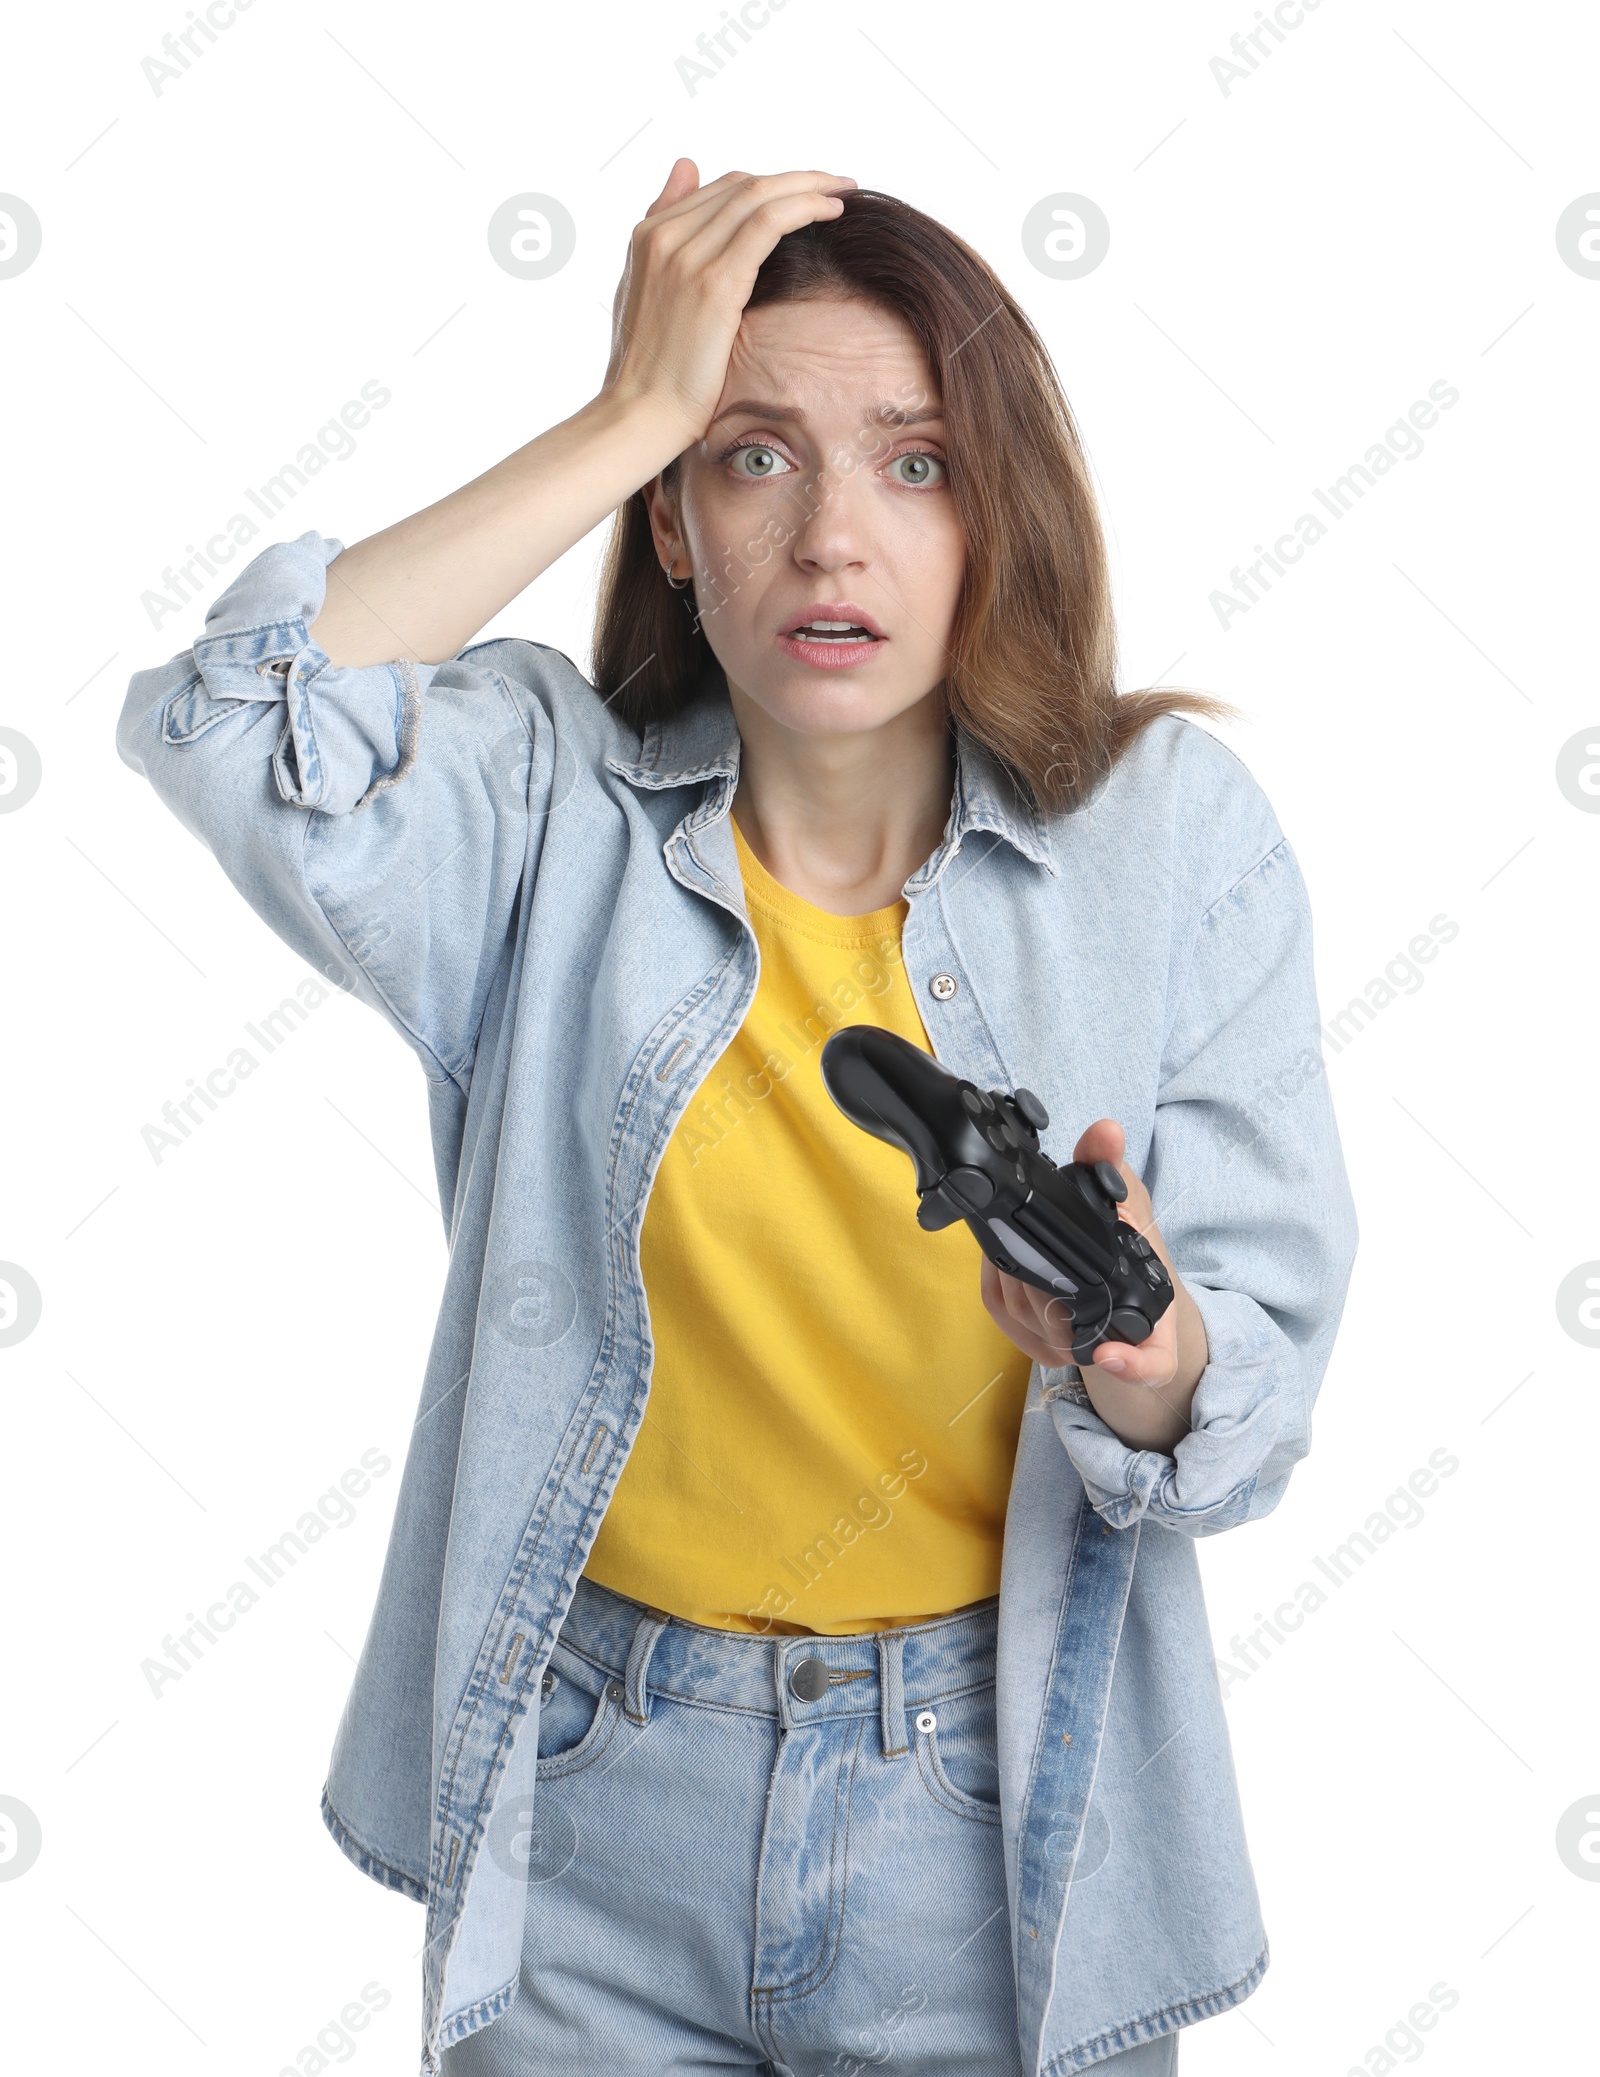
{"type": "Point", "coordinates": [976, 1155]}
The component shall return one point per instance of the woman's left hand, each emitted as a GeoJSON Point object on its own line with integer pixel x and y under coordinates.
{"type": "Point", "coordinates": [1142, 1391]}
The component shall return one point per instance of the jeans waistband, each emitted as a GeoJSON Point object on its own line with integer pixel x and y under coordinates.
{"type": "Point", "coordinates": [798, 1680]}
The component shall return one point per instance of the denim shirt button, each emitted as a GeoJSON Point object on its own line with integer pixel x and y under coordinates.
{"type": "Point", "coordinates": [942, 987]}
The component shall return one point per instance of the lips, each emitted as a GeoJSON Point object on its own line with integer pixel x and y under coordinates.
{"type": "Point", "coordinates": [833, 635]}
{"type": "Point", "coordinates": [836, 621]}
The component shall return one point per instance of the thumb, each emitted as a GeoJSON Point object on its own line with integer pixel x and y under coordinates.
{"type": "Point", "coordinates": [1104, 1140]}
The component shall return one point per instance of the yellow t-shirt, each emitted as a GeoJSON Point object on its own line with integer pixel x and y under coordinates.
{"type": "Point", "coordinates": [833, 1415]}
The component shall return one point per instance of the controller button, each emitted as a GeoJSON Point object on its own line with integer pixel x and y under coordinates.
{"type": "Point", "coordinates": [1009, 1135]}
{"type": "Point", "coordinates": [942, 987]}
{"type": "Point", "coordinates": [1106, 1175]}
{"type": "Point", "coordinates": [972, 1103]}
{"type": "Point", "coordinates": [995, 1134]}
{"type": "Point", "coordinates": [1141, 1247]}
{"type": "Point", "coordinates": [1127, 1325]}
{"type": "Point", "coordinates": [1032, 1109]}
{"type": "Point", "coordinates": [969, 1186]}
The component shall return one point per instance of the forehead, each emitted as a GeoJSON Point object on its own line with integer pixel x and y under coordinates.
{"type": "Point", "coordinates": [826, 357]}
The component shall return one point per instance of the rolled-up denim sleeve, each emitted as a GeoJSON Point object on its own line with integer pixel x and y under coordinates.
{"type": "Point", "coordinates": [378, 819]}
{"type": "Point", "coordinates": [1248, 1185]}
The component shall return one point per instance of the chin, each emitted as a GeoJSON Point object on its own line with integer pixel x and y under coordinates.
{"type": "Point", "coordinates": [814, 704]}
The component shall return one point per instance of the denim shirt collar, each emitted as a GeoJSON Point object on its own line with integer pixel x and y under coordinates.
{"type": "Point", "coordinates": [700, 742]}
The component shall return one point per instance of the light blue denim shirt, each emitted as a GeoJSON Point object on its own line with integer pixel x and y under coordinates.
{"type": "Point", "coordinates": [547, 907]}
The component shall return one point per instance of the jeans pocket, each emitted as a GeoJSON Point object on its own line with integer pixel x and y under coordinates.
{"type": "Point", "coordinates": [577, 1716]}
{"type": "Point", "coordinates": [958, 1754]}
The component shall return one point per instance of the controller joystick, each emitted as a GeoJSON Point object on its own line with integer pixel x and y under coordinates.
{"type": "Point", "coordinates": [977, 1157]}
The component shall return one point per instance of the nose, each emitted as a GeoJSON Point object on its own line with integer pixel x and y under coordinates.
{"type": "Point", "coordinates": [835, 531]}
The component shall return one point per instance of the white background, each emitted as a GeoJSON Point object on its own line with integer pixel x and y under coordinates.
{"type": "Point", "coordinates": [1292, 264]}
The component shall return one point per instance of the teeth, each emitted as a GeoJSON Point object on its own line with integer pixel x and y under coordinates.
{"type": "Point", "coordinates": [833, 628]}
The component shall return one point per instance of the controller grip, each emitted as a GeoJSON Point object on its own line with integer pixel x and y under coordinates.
{"type": "Point", "coordinates": [891, 1089]}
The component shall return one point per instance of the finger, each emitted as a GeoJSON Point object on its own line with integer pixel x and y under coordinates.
{"type": "Point", "coordinates": [681, 181]}
{"type": "Point", "coordinates": [1153, 1361]}
{"type": "Point", "coordinates": [1012, 1299]}
{"type": "Point", "coordinates": [1007, 1299]}
{"type": "Point", "coordinates": [1104, 1140]}
{"type": "Point", "coordinates": [747, 226]}
{"type": "Point", "coordinates": [1022, 1337]}
{"type": "Point", "coordinates": [786, 183]}
{"type": "Point", "coordinates": [1025, 1315]}
{"type": "Point", "coordinates": [748, 190]}
{"type": "Point", "coordinates": [712, 222]}
{"type": "Point", "coordinates": [993, 1286]}
{"type": "Point", "coordinates": [1047, 1317]}
{"type": "Point", "coordinates": [989, 1289]}
{"type": "Point", "coordinates": [1132, 1363]}
{"type": "Point", "coordinates": [1056, 1323]}
{"type": "Point", "coordinates": [692, 197]}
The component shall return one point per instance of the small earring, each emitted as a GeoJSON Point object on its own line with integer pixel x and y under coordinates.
{"type": "Point", "coordinates": [676, 583]}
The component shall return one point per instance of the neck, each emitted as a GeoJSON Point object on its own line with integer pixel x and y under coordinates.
{"type": "Point", "coordinates": [844, 820]}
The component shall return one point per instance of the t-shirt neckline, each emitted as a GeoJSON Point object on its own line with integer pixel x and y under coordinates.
{"type": "Point", "coordinates": [789, 908]}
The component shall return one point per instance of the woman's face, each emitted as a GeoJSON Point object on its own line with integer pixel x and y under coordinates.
{"type": "Point", "coordinates": [820, 493]}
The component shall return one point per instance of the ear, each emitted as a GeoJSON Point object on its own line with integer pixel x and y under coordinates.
{"type": "Point", "coordinates": [665, 531]}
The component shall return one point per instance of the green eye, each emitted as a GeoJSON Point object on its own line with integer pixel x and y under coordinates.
{"type": "Point", "coordinates": [757, 461]}
{"type": "Point", "coordinates": [920, 469]}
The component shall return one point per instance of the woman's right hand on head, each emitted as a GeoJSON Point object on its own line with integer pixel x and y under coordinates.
{"type": "Point", "coordinates": [691, 265]}
{"type": "Point", "coordinates": [425, 586]}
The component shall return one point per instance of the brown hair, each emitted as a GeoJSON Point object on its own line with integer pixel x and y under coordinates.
{"type": "Point", "coordinates": [1032, 654]}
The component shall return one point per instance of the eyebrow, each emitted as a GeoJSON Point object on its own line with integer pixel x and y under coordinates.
{"type": "Point", "coordinates": [784, 414]}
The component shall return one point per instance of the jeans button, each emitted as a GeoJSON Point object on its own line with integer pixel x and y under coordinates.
{"type": "Point", "coordinates": [809, 1680]}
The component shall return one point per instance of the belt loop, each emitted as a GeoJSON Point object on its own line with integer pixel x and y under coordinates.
{"type": "Point", "coordinates": [891, 1695]}
{"type": "Point", "coordinates": [780, 1681]}
{"type": "Point", "coordinates": [635, 1695]}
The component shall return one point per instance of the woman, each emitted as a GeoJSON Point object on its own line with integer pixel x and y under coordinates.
{"type": "Point", "coordinates": [786, 1658]}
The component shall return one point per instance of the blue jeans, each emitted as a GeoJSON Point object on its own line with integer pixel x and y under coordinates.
{"type": "Point", "coordinates": [774, 1854]}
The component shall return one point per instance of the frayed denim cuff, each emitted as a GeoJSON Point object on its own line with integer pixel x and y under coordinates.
{"type": "Point", "coordinates": [347, 732]}
{"type": "Point", "coordinates": [1208, 1481]}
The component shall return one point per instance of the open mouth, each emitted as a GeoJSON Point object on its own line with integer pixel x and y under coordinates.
{"type": "Point", "coordinates": [832, 631]}
{"type": "Point", "coordinates": [837, 633]}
